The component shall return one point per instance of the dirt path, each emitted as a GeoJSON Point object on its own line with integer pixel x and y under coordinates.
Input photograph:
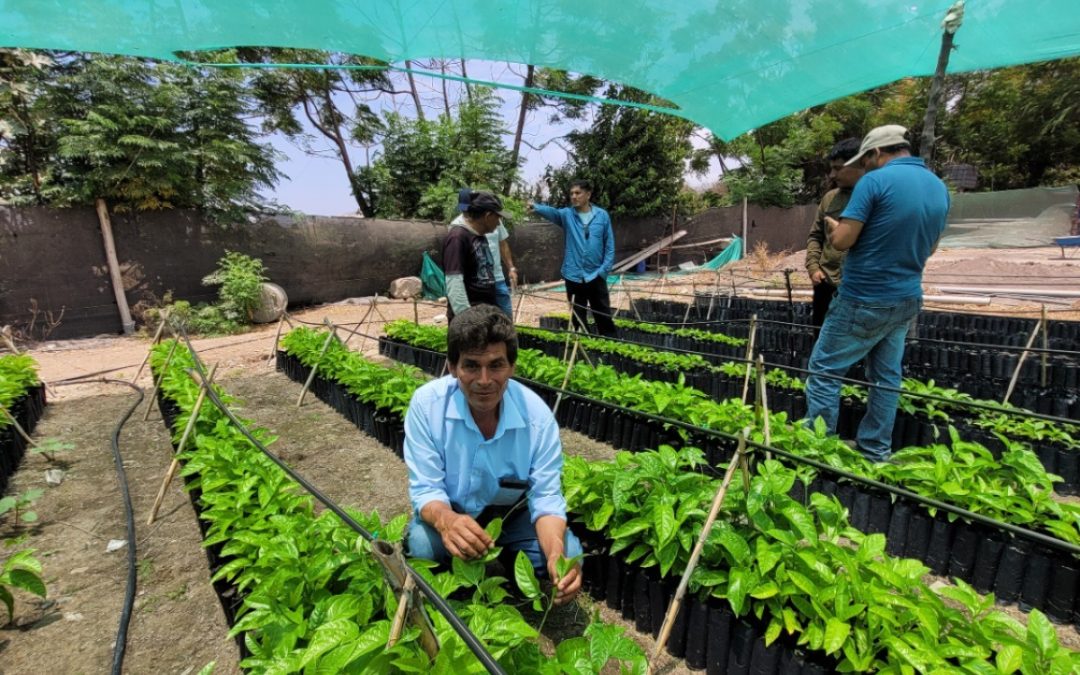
{"type": "Point", "coordinates": [177, 625]}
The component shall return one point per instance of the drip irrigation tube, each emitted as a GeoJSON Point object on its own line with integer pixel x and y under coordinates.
{"type": "Point", "coordinates": [821, 466]}
{"type": "Point", "coordinates": [473, 643]}
{"type": "Point", "coordinates": [120, 646]}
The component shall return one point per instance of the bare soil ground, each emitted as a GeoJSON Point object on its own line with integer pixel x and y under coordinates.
{"type": "Point", "coordinates": [178, 625]}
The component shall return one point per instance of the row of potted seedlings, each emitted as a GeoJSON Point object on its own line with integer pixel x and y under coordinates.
{"type": "Point", "coordinates": [919, 422]}
{"type": "Point", "coordinates": [728, 636]}
{"type": "Point", "coordinates": [1013, 489]}
{"type": "Point", "coordinates": [979, 371]}
{"type": "Point", "coordinates": [307, 595]}
{"type": "Point", "coordinates": [22, 396]}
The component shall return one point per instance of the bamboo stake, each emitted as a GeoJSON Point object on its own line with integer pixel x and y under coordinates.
{"type": "Point", "coordinates": [706, 530]}
{"type": "Point", "coordinates": [415, 313]}
{"type": "Point", "coordinates": [763, 401]}
{"type": "Point", "coordinates": [566, 378]}
{"type": "Point", "coordinates": [522, 297]}
{"type": "Point", "coordinates": [1020, 363]}
{"type": "Point", "coordinates": [160, 377]}
{"type": "Point", "coordinates": [6, 337]}
{"type": "Point", "coordinates": [157, 339]}
{"type": "Point", "coordinates": [1045, 344]}
{"type": "Point", "coordinates": [175, 464]}
{"type": "Point", "coordinates": [401, 582]}
{"type": "Point", "coordinates": [749, 356]}
{"type": "Point", "coordinates": [18, 427]}
{"type": "Point", "coordinates": [315, 367]}
{"type": "Point", "coordinates": [363, 338]}
{"type": "Point", "coordinates": [277, 337]}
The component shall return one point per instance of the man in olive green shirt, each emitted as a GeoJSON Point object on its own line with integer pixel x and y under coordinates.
{"type": "Point", "coordinates": [823, 262]}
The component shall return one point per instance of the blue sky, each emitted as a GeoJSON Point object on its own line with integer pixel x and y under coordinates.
{"type": "Point", "coordinates": [317, 185]}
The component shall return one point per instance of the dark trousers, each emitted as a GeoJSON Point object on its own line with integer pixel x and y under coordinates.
{"type": "Point", "coordinates": [823, 295]}
{"type": "Point", "coordinates": [594, 296]}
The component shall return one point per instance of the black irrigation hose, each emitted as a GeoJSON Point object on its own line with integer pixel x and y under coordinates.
{"type": "Point", "coordinates": [846, 380]}
{"type": "Point", "coordinates": [821, 466]}
{"type": "Point", "coordinates": [439, 603]}
{"type": "Point", "coordinates": [120, 647]}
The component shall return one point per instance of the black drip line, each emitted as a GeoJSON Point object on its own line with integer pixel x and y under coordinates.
{"type": "Point", "coordinates": [821, 466]}
{"type": "Point", "coordinates": [131, 583]}
{"type": "Point", "coordinates": [473, 643]}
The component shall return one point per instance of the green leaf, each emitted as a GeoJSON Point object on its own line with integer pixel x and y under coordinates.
{"type": "Point", "coordinates": [28, 581]}
{"type": "Point", "coordinates": [494, 528]}
{"type": "Point", "coordinates": [328, 636]}
{"type": "Point", "coordinates": [1041, 634]}
{"type": "Point", "coordinates": [664, 522]}
{"type": "Point", "coordinates": [836, 633]}
{"type": "Point", "coordinates": [525, 576]}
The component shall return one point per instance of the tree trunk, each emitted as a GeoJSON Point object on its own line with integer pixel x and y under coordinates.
{"type": "Point", "coordinates": [412, 88]}
{"type": "Point", "coordinates": [468, 87]}
{"type": "Point", "coordinates": [445, 95]}
{"type": "Point", "coordinates": [937, 86]}
{"type": "Point", "coordinates": [520, 125]}
{"type": "Point", "coordinates": [114, 267]}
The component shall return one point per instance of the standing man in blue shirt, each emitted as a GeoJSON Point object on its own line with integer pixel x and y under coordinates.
{"type": "Point", "coordinates": [590, 253]}
{"type": "Point", "coordinates": [478, 444]}
{"type": "Point", "coordinates": [891, 225]}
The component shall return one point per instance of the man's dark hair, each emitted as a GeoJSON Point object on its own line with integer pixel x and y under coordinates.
{"type": "Point", "coordinates": [476, 328]}
{"type": "Point", "coordinates": [585, 185]}
{"type": "Point", "coordinates": [844, 150]}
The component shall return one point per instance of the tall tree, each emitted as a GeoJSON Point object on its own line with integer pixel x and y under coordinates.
{"type": "Point", "coordinates": [636, 159]}
{"type": "Point", "coordinates": [328, 100]}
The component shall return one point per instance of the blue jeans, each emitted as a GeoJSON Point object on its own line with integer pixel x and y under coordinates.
{"type": "Point", "coordinates": [518, 534]}
{"type": "Point", "coordinates": [502, 298]}
{"type": "Point", "coordinates": [852, 331]}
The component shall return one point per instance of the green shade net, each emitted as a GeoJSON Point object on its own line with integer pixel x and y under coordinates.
{"type": "Point", "coordinates": [729, 65]}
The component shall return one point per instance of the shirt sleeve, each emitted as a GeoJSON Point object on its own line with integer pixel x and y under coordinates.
{"type": "Point", "coordinates": [503, 233]}
{"type": "Point", "coordinates": [453, 252]}
{"type": "Point", "coordinates": [456, 294]}
{"type": "Point", "coordinates": [550, 214]}
{"type": "Point", "coordinates": [545, 475]}
{"type": "Point", "coordinates": [815, 241]}
{"type": "Point", "coordinates": [426, 465]}
{"type": "Point", "coordinates": [861, 204]}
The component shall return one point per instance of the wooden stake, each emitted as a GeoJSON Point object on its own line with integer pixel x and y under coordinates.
{"type": "Point", "coordinates": [521, 303]}
{"type": "Point", "coordinates": [763, 401]}
{"type": "Point", "coordinates": [566, 379]}
{"type": "Point", "coordinates": [277, 337]}
{"type": "Point", "coordinates": [749, 356]}
{"type": "Point", "coordinates": [18, 427]}
{"type": "Point", "coordinates": [175, 464]}
{"type": "Point", "coordinates": [415, 315]}
{"type": "Point", "coordinates": [363, 338]}
{"type": "Point", "coordinates": [706, 530]}
{"type": "Point", "coordinates": [315, 367]}
{"type": "Point", "coordinates": [1020, 363]}
{"type": "Point", "coordinates": [569, 329]}
{"type": "Point", "coordinates": [114, 267]}
{"type": "Point", "coordinates": [157, 339]}
{"type": "Point", "coordinates": [1045, 344]}
{"type": "Point", "coordinates": [160, 377]}
{"type": "Point", "coordinates": [398, 577]}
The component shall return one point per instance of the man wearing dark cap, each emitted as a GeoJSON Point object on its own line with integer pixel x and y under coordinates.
{"type": "Point", "coordinates": [498, 242]}
{"type": "Point", "coordinates": [889, 228]}
{"type": "Point", "coordinates": [467, 261]}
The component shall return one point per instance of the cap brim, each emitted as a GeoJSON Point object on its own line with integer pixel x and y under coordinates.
{"type": "Point", "coordinates": [857, 157]}
{"type": "Point", "coordinates": [504, 215]}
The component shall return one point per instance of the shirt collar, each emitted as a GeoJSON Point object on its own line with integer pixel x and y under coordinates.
{"type": "Point", "coordinates": [510, 416]}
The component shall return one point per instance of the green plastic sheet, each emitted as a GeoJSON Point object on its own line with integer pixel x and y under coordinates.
{"type": "Point", "coordinates": [432, 279]}
{"type": "Point", "coordinates": [729, 65]}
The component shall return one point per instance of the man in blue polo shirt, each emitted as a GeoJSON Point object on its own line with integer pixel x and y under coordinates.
{"type": "Point", "coordinates": [479, 444]}
{"type": "Point", "coordinates": [889, 228]}
{"type": "Point", "coordinates": [589, 255]}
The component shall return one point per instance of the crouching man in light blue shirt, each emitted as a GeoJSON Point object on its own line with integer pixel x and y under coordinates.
{"type": "Point", "coordinates": [478, 443]}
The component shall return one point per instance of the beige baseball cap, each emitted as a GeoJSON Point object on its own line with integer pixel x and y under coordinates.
{"type": "Point", "coordinates": [880, 137]}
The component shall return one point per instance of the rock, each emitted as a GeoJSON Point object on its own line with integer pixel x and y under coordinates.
{"type": "Point", "coordinates": [73, 616]}
{"type": "Point", "coordinates": [438, 318]}
{"type": "Point", "coordinates": [272, 303]}
{"type": "Point", "coordinates": [406, 288]}
{"type": "Point", "coordinates": [80, 570]}
{"type": "Point", "coordinates": [115, 545]}
{"type": "Point", "coordinates": [54, 476]}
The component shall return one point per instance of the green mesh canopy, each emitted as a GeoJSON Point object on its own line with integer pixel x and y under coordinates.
{"type": "Point", "coordinates": [729, 65]}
